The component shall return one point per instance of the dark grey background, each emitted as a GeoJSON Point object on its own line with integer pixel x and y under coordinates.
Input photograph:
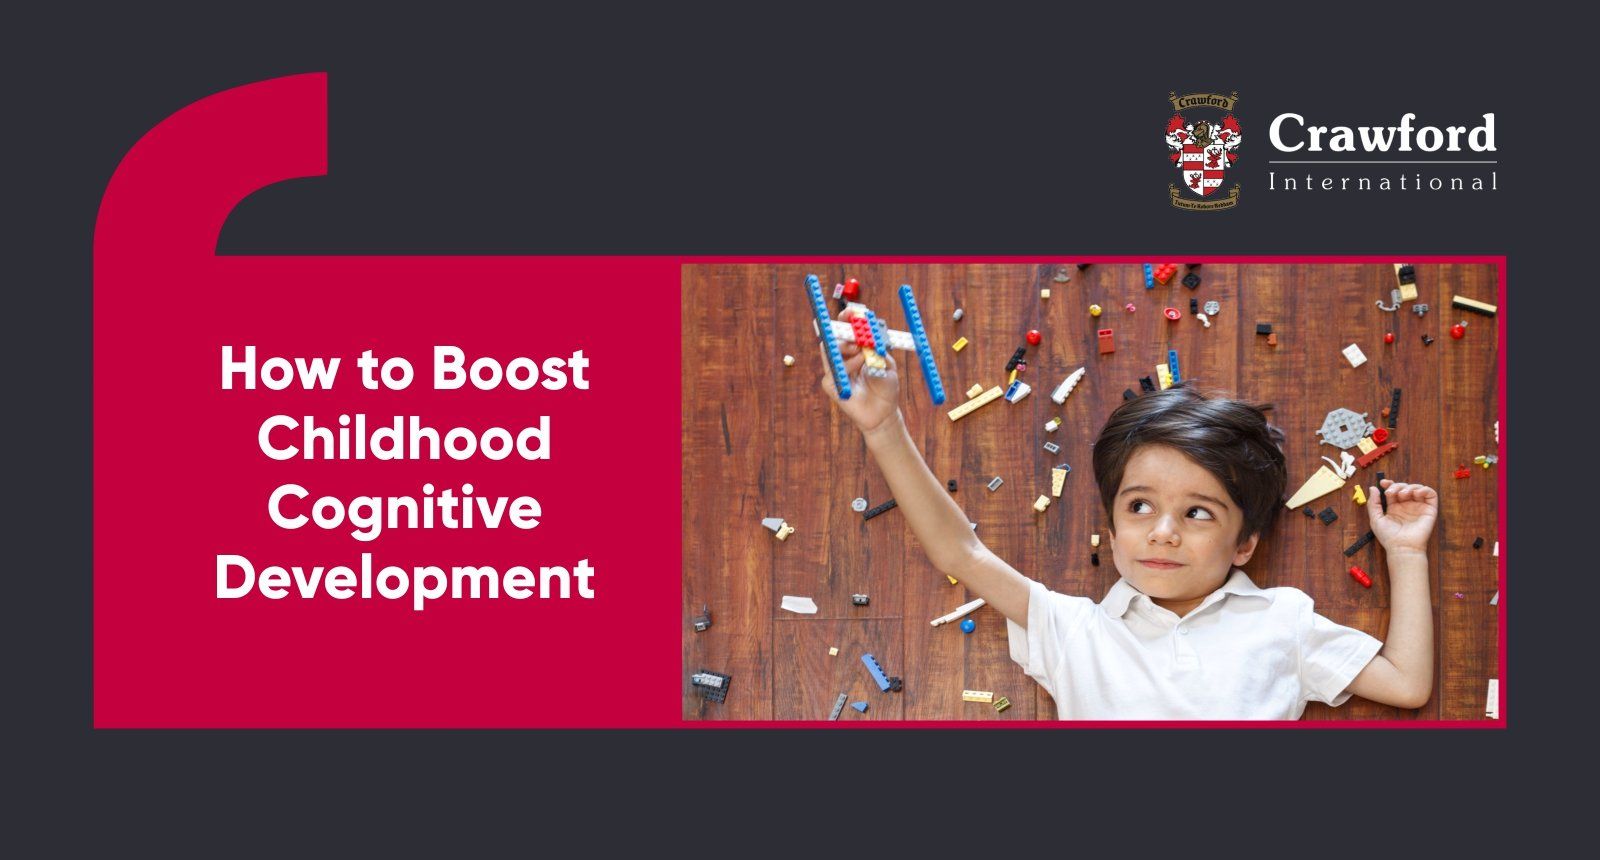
{"type": "Point", "coordinates": [789, 130]}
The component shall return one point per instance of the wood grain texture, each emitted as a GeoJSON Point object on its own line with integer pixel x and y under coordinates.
{"type": "Point", "coordinates": [760, 439]}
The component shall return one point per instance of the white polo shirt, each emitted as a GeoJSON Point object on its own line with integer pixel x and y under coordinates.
{"type": "Point", "coordinates": [1244, 653]}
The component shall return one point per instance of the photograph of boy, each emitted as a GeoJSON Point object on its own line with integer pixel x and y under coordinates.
{"type": "Point", "coordinates": [1010, 517]}
{"type": "Point", "coordinates": [1189, 484]}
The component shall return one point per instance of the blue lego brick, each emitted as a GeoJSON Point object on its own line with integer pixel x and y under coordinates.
{"type": "Point", "coordinates": [919, 336]}
{"type": "Point", "coordinates": [880, 335]}
{"type": "Point", "coordinates": [860, 706]}
{"type": "Point", "coordinates": [877, 672]}
{"type": "Point", "coordinates": [1149, 277]}
{"type": "Point", "coordinates": [841, 379]}
{"type": "Point", "coordinates": [1172, 365]}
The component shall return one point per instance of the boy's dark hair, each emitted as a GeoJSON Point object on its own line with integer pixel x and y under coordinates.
{"type": "Point", "coordinates": [1229, 438]}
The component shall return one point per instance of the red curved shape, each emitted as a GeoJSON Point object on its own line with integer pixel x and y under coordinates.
{"type": "Point", "coordinates": [169, 197]}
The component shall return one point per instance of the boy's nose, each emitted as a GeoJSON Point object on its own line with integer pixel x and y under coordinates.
{"type": "Point", "coordinates": [1164, 531]}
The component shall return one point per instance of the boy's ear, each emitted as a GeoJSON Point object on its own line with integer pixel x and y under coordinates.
{"type": "Point", "coordinates": [1246, 549]}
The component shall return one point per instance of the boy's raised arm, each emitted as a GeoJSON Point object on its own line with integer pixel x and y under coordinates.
{"type": "Point", "coordinates": [935, 518]}
{"type": "Point", "coordinates": [1402, 673]}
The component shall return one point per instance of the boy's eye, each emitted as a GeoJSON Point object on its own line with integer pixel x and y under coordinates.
{"type": "Point", "coordinates": [1140, 506]}
{"type": "Point", "coordinates": [1202, 513]}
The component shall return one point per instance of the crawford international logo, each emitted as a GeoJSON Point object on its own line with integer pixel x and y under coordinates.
{"type": "Point", "coordinates": [1203, 146]}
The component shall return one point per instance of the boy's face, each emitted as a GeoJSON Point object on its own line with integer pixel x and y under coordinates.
{"type": "Point", "coordinates": [1174, 528]}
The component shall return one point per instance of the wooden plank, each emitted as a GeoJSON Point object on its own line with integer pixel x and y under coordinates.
{"type": "Point", "coordinates": [728, 486]}
{"type": "Point", "coordinates": [1468, 508]}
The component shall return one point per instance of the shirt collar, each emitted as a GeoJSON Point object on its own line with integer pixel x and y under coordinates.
{"type": "Point", "coordinates": [1123, 593]}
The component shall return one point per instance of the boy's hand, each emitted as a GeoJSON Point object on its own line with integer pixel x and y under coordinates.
{"type": "Point", "coordinates": [1413, 508]}
{"type": "Point", "coordinates": [874, 400]}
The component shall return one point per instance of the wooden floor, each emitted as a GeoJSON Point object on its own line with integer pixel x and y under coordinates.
{"type": "Point", "coordinates": [760, 440]}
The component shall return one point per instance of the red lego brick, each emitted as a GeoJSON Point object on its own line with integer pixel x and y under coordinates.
{"type": "Point", "coordinates": [1107, 345]}
{"type": "Point", "coordinates": [1368, 459]}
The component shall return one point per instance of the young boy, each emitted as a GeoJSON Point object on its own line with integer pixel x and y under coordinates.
{"type": "Point", "coordinates": [1189, 485]}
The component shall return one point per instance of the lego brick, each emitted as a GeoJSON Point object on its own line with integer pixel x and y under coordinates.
{"type": "Point", "coordinates": [1127, 394]}
{"type": "Point", "coordinates": [1058, 479]}
{"type": "Point", "coordinates": [1477, 542]}
{"type": "Point", "coordinates": [860, 706]}
{"type": "Point", "coordinates": [960, 611]}
{"type": "Point", "coordinates": [959, 313]}
{"type": "Point", "coordinates": [702, 622]}
{"type": "Point", "coordinates": [1473, 305]}
{"type": "Point", "coordinates": [1017, 358]}
{"type": "Point", "coordinates": [1365, 444]}
{"type": "Point", "coordinates": [1383, 497]}
{"type": "Point", "coordinates": [1041, 503]}
{"type": "Point", "coordinates": [880, 335]}
{"type": "Point", "coordinates": [1323, 482]}
{"type": "Point", "coordinates": [838, 705]}
{"type": "Point", "coordinates": [1052, 425]}
{"type": "Point", "coordinates": [1360, 542]}
{"type": "Point", "coordinates": [950, 485]}
{"type": "Point", "coordinates": [833, 652]}
{"type": "Point", "coordinates": [1360, 496]}
{"type": "Point", "coordinates": [1094, 539]}
{"type": "Point", "coordinates": [1491, 708]}
{"type": "Point", "coordinates": [919, 336]}
{"type": "Point", "coordinates": [1408, 292]}
{"type": "Point", "coordinates": [1172, 366]}
{"type": "Point", "coordinates": [1194, 305]}
{"type": "Point", "coordinates": [1327, 516]}
{"type": "Point", "coordinates": [1146, 385]}
{"type": "Point", "coordinates": [975, 390]}
{"type": "Point", "coordinates": [877, 672]}
{"type": "Point", "coordinates": [1272, 339]}
{"type": "Point", "coordinates": [1017, 391]}
{"type": "Point", "coordinates": [1044, 293]}
{"type": "Point", "coordinates": [995, 484]}
{"type": "Point", "coordinates": [1163, 376]}
{"type": "Point", "coordinates": [860, 599]}
{"type": "Point", "coordinates": [1405, 273]}
{"type": "Point", "coordinates": [879, 509]}
{"type": "Point", "coordinates": [1052, 447]}
{"type": "Point", "coordinates": [1006, 703]}
{"type": "Point", "coordinates": [1427, 340]}
{"type": "Point", "coordinates": [972, 405]}
{"type": "Point", "coordinates": [799, 605]}
{"type": "Point", "coordinates": [1310, 515]}
{"type": "Point", "coordinates": [1371, 457]}
{"type": "Point", "coordinates": [983, 696]}
{"type": "Point", "coordinates": [1191, 280]}
{"type": "Point", "coordinates": [1165, 272]}
{"type": "Point", "coordinates": [960, 344]}
{"type": "Point", "coordinates": [1354, 355]}
{"type": "Point", "coordinates": [1149, 276]}
{"type": "Point", "coordinates": [953, 580]}
{"type": "Point", "coordinates": [712, 686]}
{"type": "Point", "coordinates": [1065, 388]}
{"type": "Point", "coordinates": [1107, 342]}
{"type": "Point", "coordinates": [1360, 576]}
{"type": "Point", "coordinates": [858, 505]}
{"type": "Point", "coordinates": [1263, 328]}
{"type": "Point", "coordinates": [819, 308]}
{"type": "Point", "coordinates": [780, 529]}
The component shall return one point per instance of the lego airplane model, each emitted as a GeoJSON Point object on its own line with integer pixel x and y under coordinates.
{"type": "Point", "coordinates": [867, 331]}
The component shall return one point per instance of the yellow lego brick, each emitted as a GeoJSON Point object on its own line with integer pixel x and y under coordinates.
{"type": "Point", "coordinates": [983, 696]}
{"type": "Point", "coordinates": [1041, 503]}
{"type": "Point", "coordinates": [1408, 292]}
{"type": "Point", "coordinates": [1002, 704]}
{"type": "Point", "coordinates": [1360, 497]}
{"type": "Point", "coordinates": [1044, 294]}
{"type": "Point", "coordinates": [833, 652]}
{"type": "Point", "coordinates": [1013, 378]}
{"type": "Point", "coordinates": [1164, 375]}
{"type": "Point", "coordinates": [960, 344]}
{"type": "Point", "coordinates": [1467, 304]}
{"type": "Point", "coordinates": [1094, 540]}
{"type": "Point", "coordinates": [1367, 446]}
{"type": "Point", "coordinates": [1058, 479]}
{"type": "Point", "coordinates": [953, 580]}
{"type": "Point", "coordinates": [975, 390]}
{"type": "Point", "coordinates": [784, 531]}
{"type": "Point", "coordinates": [983, 399]}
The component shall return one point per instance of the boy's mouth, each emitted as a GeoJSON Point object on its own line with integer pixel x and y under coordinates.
{"type": "Point", "coordinates": [1159, 564]}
